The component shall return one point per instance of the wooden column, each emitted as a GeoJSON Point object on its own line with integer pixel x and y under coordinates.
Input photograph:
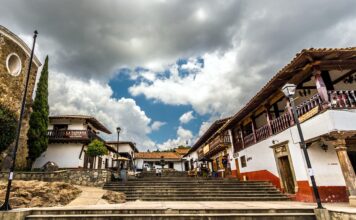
{"type": "Point", "coordinates": [289, 109]}
{"type": "Point", "coordinates": [242, 136]}
{"type": "Point", "coordinates": [268, 117]}
{"type": "Point", "coordinates": [320, 86]}
{"type": "Point", "coordinates": [346, 166]}
{"type": "Point", "coordinates": [253, 125]}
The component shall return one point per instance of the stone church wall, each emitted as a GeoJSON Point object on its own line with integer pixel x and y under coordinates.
{"type": "Point", "coordinates": [11, 91]}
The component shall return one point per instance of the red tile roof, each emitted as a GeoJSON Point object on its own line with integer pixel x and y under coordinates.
{"type": "Point", "coordinates": [181, 151]}
{"type": "Point", "coordinates": [157, 155]}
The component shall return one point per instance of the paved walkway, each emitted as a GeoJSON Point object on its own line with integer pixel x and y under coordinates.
{"type": "Point", "coordinates": [89, 196]}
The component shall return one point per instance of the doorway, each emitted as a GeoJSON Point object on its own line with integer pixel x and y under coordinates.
{"type": "Point", "coordinates": [352, 157]}
{"type": "Point", "coordinates": [285, 168]}
{"type": "Point", "coordinates": [286, 174]}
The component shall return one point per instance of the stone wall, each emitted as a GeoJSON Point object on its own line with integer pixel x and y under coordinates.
{"type": "Point", "coordinates": [11, 92]}
{"type": "Point", "coordinates": [77, 177]}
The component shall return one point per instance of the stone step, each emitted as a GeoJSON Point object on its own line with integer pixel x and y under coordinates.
{"type": "Point", "coordinates": [186, 188]}
{"type": "Point", "coordinates": [209, 198]}
{"type": "Point", "coordinates": [230, 216]}
{"type": "Point", "coordinates": [201, 192]}
{"type": "Point", "coordinates": [72, 211]}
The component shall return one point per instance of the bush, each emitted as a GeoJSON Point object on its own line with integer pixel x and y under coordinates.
{"type": "Point", "coordinates": [8, 125]}
{"type": "Point", "coordinates": [96, 148]}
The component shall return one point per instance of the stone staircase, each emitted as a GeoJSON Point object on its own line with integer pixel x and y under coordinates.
{"type": "Point", "coordinates": [196, 189]}
{"type": "Point", "coordinates": [177, 214]}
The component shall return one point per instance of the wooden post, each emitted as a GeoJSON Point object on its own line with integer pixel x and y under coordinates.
{"type": "Point", "coordinates": [320, 86]}
{"type": "Point", "coordinates": [268, 116]}
{"type": "Point", "coordinates": [346, 168]}
{"type": "Point", "coordinates": [253, 125]}
{"type": "Point", "coordinates": [289, 109]}
{"type": "Point", "coordinates": [242, 136]}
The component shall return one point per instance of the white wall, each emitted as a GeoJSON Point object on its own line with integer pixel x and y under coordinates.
{"type": "Point", "coordinates": [177, 165]}
{"type": "Point", "coordinates": [325, 165]}
{"type": "Point", "coordinates": [64, 155]}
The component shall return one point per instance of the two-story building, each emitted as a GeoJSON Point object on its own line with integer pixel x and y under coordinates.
{"type": "Point", "coordinates": [265, 141]}
{"type": "Point", "coordinates": [125, 149]}
{"type": "Point", "coordinates": [215, 153]}
{"type": "Point", "coordinates": [68, 137]}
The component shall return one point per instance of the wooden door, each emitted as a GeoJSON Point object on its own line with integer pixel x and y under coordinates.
{"type": "Point", "coordinates": [286, 174]}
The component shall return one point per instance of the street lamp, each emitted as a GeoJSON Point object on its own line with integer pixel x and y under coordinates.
{"type": "Point", "coordinates": [118, 129]}
{"type": "Point", "coordinates": [6, 206]}
{"type": "Point", "coordinates": [289, 91]}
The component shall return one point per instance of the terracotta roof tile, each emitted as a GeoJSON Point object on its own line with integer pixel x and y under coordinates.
{"type": "Point", "coordinates": [157, 155]}
{"type": "Point", "coordinates": [182, 151]}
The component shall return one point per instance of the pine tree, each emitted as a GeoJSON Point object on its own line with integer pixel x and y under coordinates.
{"type": "Point", "coordinates": [37, 134]}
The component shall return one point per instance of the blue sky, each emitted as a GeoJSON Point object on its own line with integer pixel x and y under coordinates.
{"type": "Point", "coordinates": [157, 110]}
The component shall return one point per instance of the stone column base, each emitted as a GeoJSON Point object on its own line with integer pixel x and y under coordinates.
{"type": "Point", "coordinates": [352, 201]}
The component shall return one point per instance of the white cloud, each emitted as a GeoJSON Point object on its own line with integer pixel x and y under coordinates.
{"type": "Point", "coordinates": [211, 88]}
{"type": "Point", "coordinates": [68, 95]}
{"type": "Point", "coordinates": [184, 136]}
{"type": "Point", "coordinates": [156, 125]}
{"type": "Point", "coordinates": [186, 117]}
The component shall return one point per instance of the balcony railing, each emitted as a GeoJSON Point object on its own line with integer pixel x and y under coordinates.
{"type": "Point", "coordinates": [249, 139]}
{"type": "Point", "coordinates": [342, 99]}
{"type": "Point", "coordinates": [263, 132]}
{"type": "Point", "coordinates": [220, 142]}
{"type": "Point", "coordinates": [71, 135]}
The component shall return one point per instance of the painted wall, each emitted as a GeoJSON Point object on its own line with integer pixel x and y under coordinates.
{"type": "Point", "coordinates": [64, 155]}
{"type": "Point", "coordinates": [326, 169]}
{"type": "Point", "coordinates": [177, 165]}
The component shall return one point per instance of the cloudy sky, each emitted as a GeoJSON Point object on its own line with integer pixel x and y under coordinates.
{"type": "Point", "coordinates": [163, 70]}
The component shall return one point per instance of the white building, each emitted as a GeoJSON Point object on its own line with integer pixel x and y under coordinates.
{"type": "Point", "coordinates": [69, 136]}
{"type": "Point", "coordinates": [126, 149]}
{"type": "Point", "coordinates": [262, 141]}
{"type": "Point", "coordinates": [151, 160]}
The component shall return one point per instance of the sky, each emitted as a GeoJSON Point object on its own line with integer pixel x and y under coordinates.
{"type": "Point", "coordinates": [164, 70]}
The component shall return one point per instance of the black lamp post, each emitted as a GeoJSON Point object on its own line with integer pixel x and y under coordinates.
{"type": "Point", "coordinates": [289, 91]}
{"type": "Point", "coordinates": [6, 206]}
{"type": "Point", "coordinates": [118, 129]}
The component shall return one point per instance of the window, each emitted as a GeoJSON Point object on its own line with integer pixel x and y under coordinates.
{"type": "Point", "coordinates": [13, 64]}
{"type": "Point", "coordinates": [243, 161]}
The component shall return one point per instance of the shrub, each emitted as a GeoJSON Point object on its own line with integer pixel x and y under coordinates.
{"type": "Point", "coordinates": [96, 148]}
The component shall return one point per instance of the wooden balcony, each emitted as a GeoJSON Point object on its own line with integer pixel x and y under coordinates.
{"type": "Point", "coordinates": [65, 136]}
{"type": "Point", "coordinates": [216, 145]}
{"type": "Point", "coordinates": [345, 99]}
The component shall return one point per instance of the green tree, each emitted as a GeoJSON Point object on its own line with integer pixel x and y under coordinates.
{"type": "Point", "coordinates": [37, 133]}
{"type": "Point", "coordinates": [96, 148]}
{"type": "Point", "coordinates": [8, 125]}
